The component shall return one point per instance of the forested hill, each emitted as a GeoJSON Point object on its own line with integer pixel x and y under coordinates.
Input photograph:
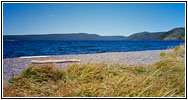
{"type": "Point", "coordinates": [174, 34]}
{"type": "Point", "coordinates": [144, 36]}
{"type": "Point", "coordinates": [70, 36]}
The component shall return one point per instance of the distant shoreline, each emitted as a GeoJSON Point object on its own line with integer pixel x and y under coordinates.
{"type": "Point", "coordinates": [173, 34]}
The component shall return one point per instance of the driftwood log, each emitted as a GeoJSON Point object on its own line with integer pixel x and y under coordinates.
{"type": "Point", "coordinates": [35, 57]}
{"type": "Point", "coordinates": [53, 61]}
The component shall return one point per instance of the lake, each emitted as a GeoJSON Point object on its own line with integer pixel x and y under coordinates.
{"type": "Point", "coordinates": [13, 49]}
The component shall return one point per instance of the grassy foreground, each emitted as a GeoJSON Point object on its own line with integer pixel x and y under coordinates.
{"type": "Point", "coordinates": [165, 78]}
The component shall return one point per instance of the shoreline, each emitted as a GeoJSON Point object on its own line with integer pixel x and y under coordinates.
{"type": "Point", "coordinates": [14, 66]}
{"type": "Point", "coordinates": [89, 53]}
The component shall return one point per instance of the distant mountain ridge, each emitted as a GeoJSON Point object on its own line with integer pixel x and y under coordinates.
{"type": "Point", "coordinates": [174, 34]}
{"type": "Point", "coordinates": [70, 36]}
{"type": "Point", "coordinates": [144, 36]}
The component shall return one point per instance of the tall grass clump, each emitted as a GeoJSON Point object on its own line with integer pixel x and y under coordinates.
{"type": "Point", "coordinates": [34, 81]}
{"type": "Point", "coordinates": [165, 78]}
{"type": "Point", "coordinates": [178, 53]}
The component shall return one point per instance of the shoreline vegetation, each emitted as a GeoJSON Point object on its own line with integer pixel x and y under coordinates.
{"type": "Point", "coordinates": [14, 66]}
{"type": "Point", "coordinates": [164, 78]}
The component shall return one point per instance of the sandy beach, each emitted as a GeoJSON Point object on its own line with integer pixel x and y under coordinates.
{"type": "Point", "coordinates": [14, 66]}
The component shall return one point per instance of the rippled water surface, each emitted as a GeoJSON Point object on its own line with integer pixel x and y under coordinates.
{"type": "Point", "coordinates": [35, 48]}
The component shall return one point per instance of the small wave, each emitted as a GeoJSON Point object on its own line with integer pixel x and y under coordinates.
{"type": "Point", "coordinates": [11, 40]}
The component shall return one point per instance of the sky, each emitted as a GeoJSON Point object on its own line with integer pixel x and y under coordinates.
{"type": "Point", "coordinates": [94, 18]}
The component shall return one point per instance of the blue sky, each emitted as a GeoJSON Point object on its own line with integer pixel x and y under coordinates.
{"type": "Point", "coordinates": [94, 18]}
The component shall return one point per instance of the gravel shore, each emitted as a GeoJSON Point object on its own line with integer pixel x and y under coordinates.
{"type": "Point", "coordinates": [14, 66]}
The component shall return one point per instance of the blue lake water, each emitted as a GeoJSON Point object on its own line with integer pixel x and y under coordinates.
{"type": "Point", "coordinates": [35, 48]}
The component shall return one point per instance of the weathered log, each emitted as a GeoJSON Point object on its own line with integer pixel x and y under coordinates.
{"type": "Point", "coordinates": [34, 57]}
{"type": "Point", "coordinates": [54, 61]}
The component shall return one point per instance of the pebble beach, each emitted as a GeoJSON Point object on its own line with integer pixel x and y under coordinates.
{"type": "Point", "coordinates": [14, 66]}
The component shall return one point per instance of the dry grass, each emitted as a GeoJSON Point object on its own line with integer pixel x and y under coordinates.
{"type": "Point", "coordinates": [178, 53]}
{"type": "Point", "coordinates": [165, 78]}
